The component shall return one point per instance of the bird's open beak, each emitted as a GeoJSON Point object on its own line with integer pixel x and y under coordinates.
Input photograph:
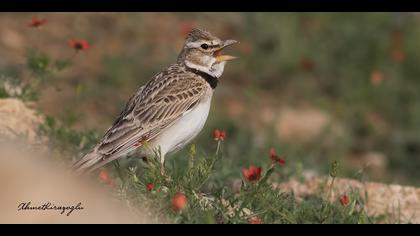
{"type": "Point", "coordinates": [218, 54]}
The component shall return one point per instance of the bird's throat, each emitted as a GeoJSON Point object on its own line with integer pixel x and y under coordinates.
{"type": "Point", "coordinates": [212, 80]}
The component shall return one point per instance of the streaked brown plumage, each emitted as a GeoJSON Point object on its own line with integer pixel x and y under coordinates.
{"type": "Point", "coordinates": [181, 91]}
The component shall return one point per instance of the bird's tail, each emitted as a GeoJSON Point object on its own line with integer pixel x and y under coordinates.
{"type": "Point", "coordinates": [89, 162]}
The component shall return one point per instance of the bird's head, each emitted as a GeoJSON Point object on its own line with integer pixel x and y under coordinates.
{"type": "Point", "coordinates": [203, 51]}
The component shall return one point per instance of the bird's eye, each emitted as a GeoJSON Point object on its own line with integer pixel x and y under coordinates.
{"type": "Point", "coordinates": [204, 46]}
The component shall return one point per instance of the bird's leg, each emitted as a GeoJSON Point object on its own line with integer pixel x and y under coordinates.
{"type": "Point", "coordinates": [162, 164]}
{"type": "Point", "coordinates": [167, 178]}
{"type": "Point", "coordinates": [161, 156]}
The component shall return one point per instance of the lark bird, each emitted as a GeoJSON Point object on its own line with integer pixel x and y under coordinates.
{"type": "Point", "coordinates": [170, 110]}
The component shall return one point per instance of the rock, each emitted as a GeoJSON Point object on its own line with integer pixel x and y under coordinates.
{"type": "Point", "coordinates": [18, 121]}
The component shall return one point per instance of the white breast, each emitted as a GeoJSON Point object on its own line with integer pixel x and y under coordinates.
{"type": "Point", "coordinates": [184, 130]}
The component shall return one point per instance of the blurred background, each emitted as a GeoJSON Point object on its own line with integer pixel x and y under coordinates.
{"type": "Point", "coordinates": [318, 87]}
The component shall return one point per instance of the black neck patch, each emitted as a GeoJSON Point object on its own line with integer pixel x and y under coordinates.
{"type": "Point", "coordinates": [210, 79]}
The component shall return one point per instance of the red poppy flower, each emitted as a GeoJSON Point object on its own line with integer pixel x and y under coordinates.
{"type": "Point", "coordinates": [216, 134]}
{"type": "Point", "coordinates": [344, 200]}
{"type": "Point", "coordinates": [275, 158]}
{"type": "Point", "coordinates": [219, 135]}
{"type": "Point", "coordinates": [397, 55]}
{"type": "Point", "coordinates": [376, 77]}
{"type": "Point", "coordinates": [150, 187]}
{"type": "Point", "coordinates": [281, 162]}
{"type": "Point", "coordinates": [273, 155]}
{"type": "Point", "coordinates": [252, 174]}
{"type": "Point", "coordinates": [104, 177]}
{"type": "Point", "coordinates": [255, 221]}
{"type": "Point", "coordinates": [179, 201]}
{"type": "Point", "coordinates": [35, 22]}
{"type": "Point", "coordinates": [222, 135]}
{"type": "Point", "coordinates": [79, 44]}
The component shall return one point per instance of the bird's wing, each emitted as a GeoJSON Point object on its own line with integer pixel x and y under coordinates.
{"type": "Point", "coordinates": [161, 102]}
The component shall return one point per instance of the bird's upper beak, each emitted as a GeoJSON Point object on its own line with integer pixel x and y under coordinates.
{"type": "Point", "coordinates": [218, 54]}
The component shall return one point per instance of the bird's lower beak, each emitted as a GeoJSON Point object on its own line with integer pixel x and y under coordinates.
{"type": "Point", "coordinates": [218, 54]}
{"type": "Point", "coordinates": [224, 58]}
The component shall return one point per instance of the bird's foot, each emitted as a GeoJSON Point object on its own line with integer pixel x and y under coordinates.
{"type": "Point", "coordinates": [162, 169]}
